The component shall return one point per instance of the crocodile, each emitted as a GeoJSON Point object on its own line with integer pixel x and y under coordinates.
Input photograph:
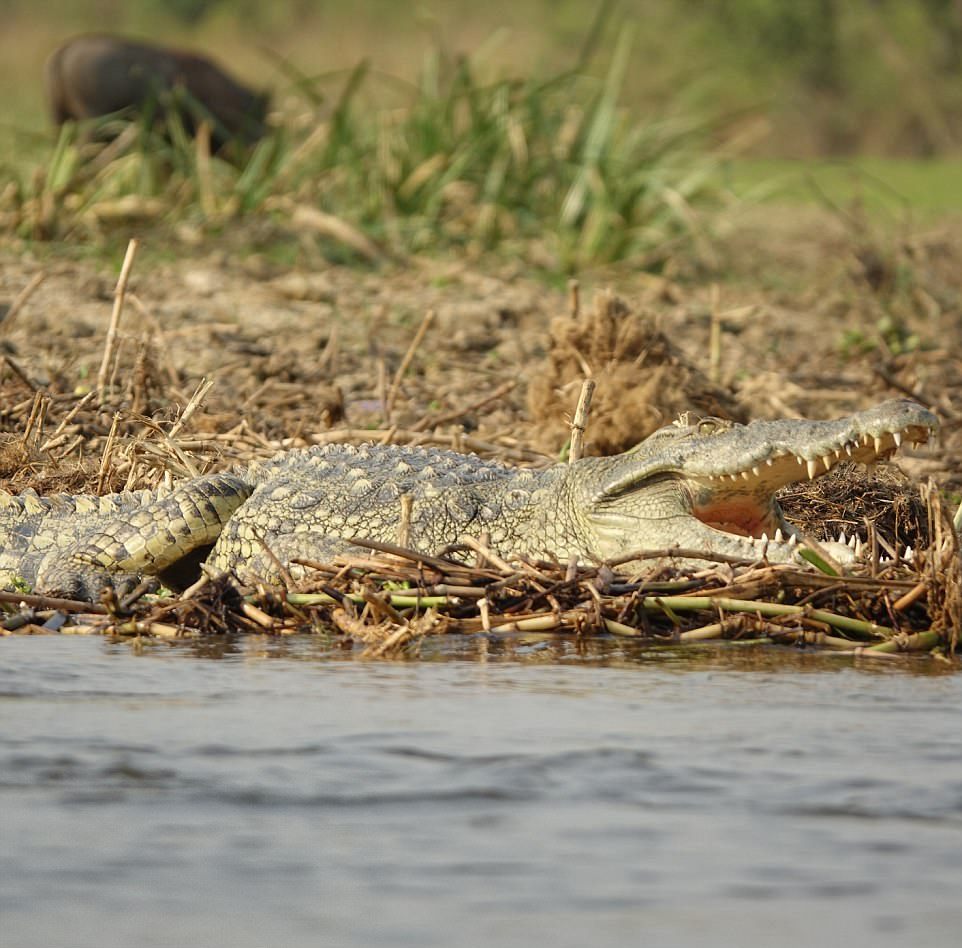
{"type": "Point", "coordinates": [699, 484]}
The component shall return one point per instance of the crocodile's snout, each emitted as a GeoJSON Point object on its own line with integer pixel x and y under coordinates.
{"type": "Point", "coordinates": [740, 499]}
{"type": "Point", "coordinates": [716, 481]}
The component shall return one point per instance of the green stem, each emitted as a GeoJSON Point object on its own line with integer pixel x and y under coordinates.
{"type": "Point", "coordinates": [920, 642]}
{"type": "Point", "coordinates": [689, 603]}
{"type": "Point", "coordinates": [395, 599]}
{"type": "Point", "coordinates": [619, 628]}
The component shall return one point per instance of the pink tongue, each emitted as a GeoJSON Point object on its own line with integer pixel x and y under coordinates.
{"type": "Point", "coordinates": [742, 519]}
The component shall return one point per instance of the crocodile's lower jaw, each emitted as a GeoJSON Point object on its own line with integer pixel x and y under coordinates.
{"type": "Point", "coordinates": [754, 534]}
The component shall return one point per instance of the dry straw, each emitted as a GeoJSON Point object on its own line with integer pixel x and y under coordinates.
{"type": "Point", "coordinates": [110, 346]}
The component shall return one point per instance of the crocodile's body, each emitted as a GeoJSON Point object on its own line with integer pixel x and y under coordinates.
{"type": "Point", "coordinates": [707, 486]}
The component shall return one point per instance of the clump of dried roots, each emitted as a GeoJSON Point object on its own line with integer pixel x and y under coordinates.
{"type": "Point", "coordinates": [643, 379]}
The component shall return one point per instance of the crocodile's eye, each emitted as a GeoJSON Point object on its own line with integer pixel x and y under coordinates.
{"type": "Point", "coordinates": [709, 426]}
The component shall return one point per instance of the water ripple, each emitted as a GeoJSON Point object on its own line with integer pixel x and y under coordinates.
{"type": "Point", "coordinates": [278, 796]}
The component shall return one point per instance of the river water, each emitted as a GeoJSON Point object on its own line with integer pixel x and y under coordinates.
{"type": "Point", "coordinates": [262, 792]}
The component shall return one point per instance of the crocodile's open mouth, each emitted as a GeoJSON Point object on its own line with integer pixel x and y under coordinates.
{"type": "Point", "coordinates": [743, 502]}
{"type": "Point", "coordinates": [742, 516]}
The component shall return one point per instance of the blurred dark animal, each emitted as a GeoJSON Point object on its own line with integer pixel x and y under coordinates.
{"type": "Point", "coordinates": [93, 75]}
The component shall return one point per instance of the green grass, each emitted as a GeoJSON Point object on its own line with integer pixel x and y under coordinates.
{"type": "Point", "coordinates": [464, 163]}
{"type": "Point", "coordinates": [929, 188]}
{"type": "Point", "coordinates": [503, 151]}
{"type": "Point", "coordinates": [816, 78]}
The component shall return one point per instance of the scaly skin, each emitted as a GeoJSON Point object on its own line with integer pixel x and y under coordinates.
{"type": "Point", "coordinates": [706, 486]}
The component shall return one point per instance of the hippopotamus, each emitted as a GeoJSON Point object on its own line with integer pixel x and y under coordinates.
{"type": "Point", "coordinates": [95, 75]}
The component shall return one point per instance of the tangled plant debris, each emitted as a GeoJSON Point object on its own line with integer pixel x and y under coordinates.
{"type": "Point", "coordinates": [391, 598]}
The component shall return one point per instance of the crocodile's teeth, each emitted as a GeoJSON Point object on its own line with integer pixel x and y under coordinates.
{"type": "Point", "coordinates": [827, 460]}
{"type": "Point", "coordinates": [744, 475]}
{"type": "Point", "coordinates": [842, 538]}
{"type": "Point", "coordinates": [897, 437]}
{"type": "Point", "coordinates": [878, 444]}
{"type": "Point", "coordinates": [858, 546]}
{"type": "Point", "coordinates": [756, 471]}
{"type": "Point", "coordinates": [848, 448]}
{"type": "Point", "coordinates": [792, 539]}
{"type": "Point", "coordinates": [769, 461]}
{"type": "Point", "coordinates": [853, 540]}
{"type": "Point", "coordinates": [812, 469]}
{"type": "Point", "coordinates": [908, 554]}
{"type": "Point", "coordinates": [778, 535]}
